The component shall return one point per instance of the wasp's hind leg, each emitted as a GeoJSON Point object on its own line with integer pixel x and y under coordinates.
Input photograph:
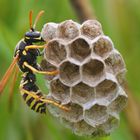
{"type": "Point", "coordinates": [39, 100]}
{"type": "Point", "coordinates": [40, 72]}
{"type": "Point", "coordinates": [32, 99]}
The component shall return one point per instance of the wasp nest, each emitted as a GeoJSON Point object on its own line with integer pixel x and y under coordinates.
{"type": "Point", "coordinates": [91, 71]}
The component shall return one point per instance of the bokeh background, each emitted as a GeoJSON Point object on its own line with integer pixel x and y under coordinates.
{"type": "Point", "coordinates": [120, 20]}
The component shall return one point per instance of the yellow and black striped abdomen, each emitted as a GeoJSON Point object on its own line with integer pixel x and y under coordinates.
{"type": "Point", "coordinates": [31, 93]}
{"type": "Point", "coordinates": [34, 103]}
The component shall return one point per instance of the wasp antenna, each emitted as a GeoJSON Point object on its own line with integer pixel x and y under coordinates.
{"type": "Point", "coordinates": [30, 19]}
{"type": "Point", "coordinates": [37, 18]}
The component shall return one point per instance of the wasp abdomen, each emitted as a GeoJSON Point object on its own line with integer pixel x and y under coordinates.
{"type": "Point", "coordinates": [31, 93]}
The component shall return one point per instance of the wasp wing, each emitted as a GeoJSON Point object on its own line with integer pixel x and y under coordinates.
{"type": "Point", "coordinates": [13, 82]}
{"type": "Point", "coordinates": [8, 73]}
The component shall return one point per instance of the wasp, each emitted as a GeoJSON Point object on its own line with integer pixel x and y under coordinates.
{"type": "Point", "coordinates": [25, 57]}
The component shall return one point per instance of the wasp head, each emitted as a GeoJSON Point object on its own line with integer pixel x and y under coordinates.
{"type": "Point", "coordinates": [33, 36]}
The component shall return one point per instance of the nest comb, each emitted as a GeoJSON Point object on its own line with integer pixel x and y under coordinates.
{"type": "Point", "coordinates": [91, 73]}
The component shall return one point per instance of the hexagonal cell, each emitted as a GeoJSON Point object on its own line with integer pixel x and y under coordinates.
{"type": "Point", "coordinates": [60, 91]}
{"type": "Point", "coordinates": [49, 31]}
{"type": "Point", "coordinates": [118, 103]}
{"type": "Point", "coordinates": [83, 129]}
{"type": "Point", "coordinates": [91, 29]}
{"type": "Point", "coordinates": [99, 133]}
{"type": "Point", "coordinates": [110, 125]}
{"type": "Point", "coordinates": [93, 72]}
{"type": "Point", "coordinates": [79, 49]}
{"type": "Point", "coordinates": [55, 111]}
{"type": "Point", "coordinates": [55, 52]}
{"type": "Point", "coordinates": [68, 30]}
{"type": "Point", "coordinates": [103, 46]}
{"type": "Point", "coordinates": [121, 76]}
{"type": "Point", "coordinates": [69, 73]}
{"type": "Point", "coordinates": [67, 123]}
{"type": "Point", "coordinates": [46, 66]}
{"type": "Point", "coordinates": [96, 115]}
{"type": "Point", "coordinates": [74, 115]}
{"type": "Point", "coordinates": [115, 62]}
{"type": "Point", "coordinates": [106, 91]}
{"type": "Point", "coordinates": [82, 93]}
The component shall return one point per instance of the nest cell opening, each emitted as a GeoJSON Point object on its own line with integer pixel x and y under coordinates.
{"type": "Point", "coordinates": [118, 104]}
{"type": "Point", "coordinates": [96, 115]}
{"type": "Point", "coordinates": [55, 52]}
{"type": "Point", "coordinates": [110, 125]}
{"type": "Point", "coordinates": [60, 91]}
{"type": "Point", "coordinates": [69, 73]}
{"type": "Point", "coordinates": [106, 90]}
{"type": "Point", "coordinates": [91, 29]}
{"type": "Point", "coordinates": [102, 47]}
{"type": "Point", "coordinates": [49, 31]}
{"type": "Point", "coordinates": [82, 93]}
{"type": "Point", "coordinates": [79, 49]}
{"type": "Point", "coordinates": [68, 30]}
{"type": "Point", "coordinates": [115, 62]}
{"type": "Point", "coordinates": [121, 76]}
{"type": "Point", "coordinates": [82, 128]}
{"type": "Point", "coordinates": [54, 110]}
{"type": "Point", "coordinates": [93, 71]}
{"type": "Point", "coordinates": [67, 123]}
{"type": "Point", "coordinates": [46, 66]}
{"type": "Point", "coordinates": [75, 114]}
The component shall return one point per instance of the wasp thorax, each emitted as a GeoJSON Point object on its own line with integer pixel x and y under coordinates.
{"type": "Point", "coordinates": [91, 71]}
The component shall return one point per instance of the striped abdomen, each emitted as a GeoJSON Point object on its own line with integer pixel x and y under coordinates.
{"type": "Point", "coordinates": [31, 94]}
{"type": "Point", "coordinates": [35, 104]}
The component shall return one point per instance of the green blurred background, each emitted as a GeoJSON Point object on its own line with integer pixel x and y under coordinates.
{"type": "Point", "coordinates": [120, 20]}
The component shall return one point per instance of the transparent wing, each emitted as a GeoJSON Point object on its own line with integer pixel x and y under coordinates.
{"type": "Point", "coordinates": [13, 82]}
{"type": "Point", "coordinates": [7, 75]}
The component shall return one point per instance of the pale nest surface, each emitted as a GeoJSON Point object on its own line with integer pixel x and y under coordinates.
{"type": "Point", "coordinates": [91, 73]}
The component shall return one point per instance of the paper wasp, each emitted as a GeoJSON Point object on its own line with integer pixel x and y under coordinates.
{"type": "Point", "coordinates": [25, 57]}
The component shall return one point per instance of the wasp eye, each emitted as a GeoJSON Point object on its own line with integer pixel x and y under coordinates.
{"type": "Point", "coordinates": [28, 34]}
{"type": "Point", "coordinates": [32, 34]}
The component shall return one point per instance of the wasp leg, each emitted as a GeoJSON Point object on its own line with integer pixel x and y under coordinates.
{"type": "Point", "coordinates": [34, 47]}
{"type": "Point", "coordinates": [41, 72]}
{"type": "Point", "coordinates": [33, 94]}
{"type": "Point", "coordinates": [56, 104]}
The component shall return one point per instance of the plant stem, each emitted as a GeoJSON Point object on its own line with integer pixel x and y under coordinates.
{"type": "Point", "coordinates": [83, 9]}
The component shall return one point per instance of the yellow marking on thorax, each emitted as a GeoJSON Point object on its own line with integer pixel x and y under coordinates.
{"type": "Point", "coordinates": [24, 74]}
{"type": "Point", "coordinates": [17, 52]}
{"type": "Point", "coordinates": [27, 37]}
{"type": "Point", "coordinates": [24, 52]}
{"type": "Point", "coordinates": [22, 84]}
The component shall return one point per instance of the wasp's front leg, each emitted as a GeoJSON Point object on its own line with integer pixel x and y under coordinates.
{"type": "Point", "coordinates": [34, 47]}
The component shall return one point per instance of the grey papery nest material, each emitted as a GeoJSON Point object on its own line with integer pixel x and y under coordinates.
{"type": "Point", "coordinates": [91, 73]}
